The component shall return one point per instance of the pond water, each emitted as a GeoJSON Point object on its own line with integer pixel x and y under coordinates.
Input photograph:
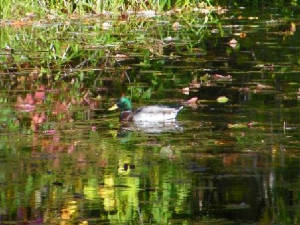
{"type": "Point", "coordinates": [66, 159]}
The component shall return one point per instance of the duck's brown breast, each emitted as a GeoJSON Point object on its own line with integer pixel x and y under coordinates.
{"type": "Point", "coordinates": [126, 116]}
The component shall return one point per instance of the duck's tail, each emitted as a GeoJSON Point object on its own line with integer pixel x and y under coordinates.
{"type": "Point", "coordinates": [178, 109]}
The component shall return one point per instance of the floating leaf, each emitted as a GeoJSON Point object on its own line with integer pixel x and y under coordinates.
{"type": "Point", "coordinates": [243, 35]}
{"type": "Point", "coordinates": [252, 123]}
{"type": "Point", "coordinates": [195, 83]}
{"type": "Point", "coordinates": [222, 99]}
{"type": "Point", "coordinates": [192, 101]}
{"type": "Point", "coordinates": [185, 91]}
{"type": "Point", "coordinates": [233, 43]}
{"type": "Point", "coordinates": [222, 77]}
{"type": "Point", "coordinates": [263, 86]}
{"type": "Point", "coordinates": [237, 126]}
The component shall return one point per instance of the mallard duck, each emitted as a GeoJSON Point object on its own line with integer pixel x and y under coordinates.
{"type": "Point", "coordinates": [153, 113]}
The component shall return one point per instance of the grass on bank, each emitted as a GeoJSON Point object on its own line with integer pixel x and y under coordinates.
{"type": "Point", "coordinates": [20, 8]}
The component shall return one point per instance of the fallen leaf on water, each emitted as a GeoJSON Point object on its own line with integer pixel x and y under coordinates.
{"type": "Point", "coordinates": [192, 101]}
{"type": "Point", "coordinates": [223, 142]}
{"type": "Point", "coordinates": [252, 123]}
{"type": "Point", "coordinates": [222, 99]}
{"type": "Point", "coordinates": [236, 125]}
{"type": "Point", "coordinates": [195, 84]}
{"type": "Point", "coordinates": [233, 43]}
{"type": "Point", "coordinates": [263, 86]}
{"type": "Point", "coordinates": [221, 77]}
{"type": "Point", "coordinates": [244, 89]}
{"type": "Point", "coordinates": [243, 35]}
{"type": "Point", "coordinates": [185, 91]}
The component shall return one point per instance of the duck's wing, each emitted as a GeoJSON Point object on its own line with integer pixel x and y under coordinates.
{"type": "Point", "coordinates": [156, 113]}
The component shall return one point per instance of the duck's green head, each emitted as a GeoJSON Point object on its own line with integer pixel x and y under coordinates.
{"type": "Point", "coordinates": [123, 104]}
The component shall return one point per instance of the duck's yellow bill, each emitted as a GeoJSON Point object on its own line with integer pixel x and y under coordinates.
{"type": "Point", "coordinates": [114, 107]}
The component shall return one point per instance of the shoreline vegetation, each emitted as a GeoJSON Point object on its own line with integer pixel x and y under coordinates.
{"type": "Point", "coordinates": [64, 9]}
{"type": "Point", "coordinates": [87, 41]}
{"type": "Point", "coordinates": [12, 9]}
{"type": "Point", "coordinates": [59, 39]}
{"type": "Point", "coordinates": [89, 52]}
{"type": "Point", "coordinates": [52, 36]}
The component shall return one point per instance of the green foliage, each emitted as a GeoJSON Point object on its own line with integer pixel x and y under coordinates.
{"type": "Point", "coordinates": [17, 8]}
{"type": "Point", "coordinates": [65, 50]}
{"type": "Point", "coordinates": [8, 120]}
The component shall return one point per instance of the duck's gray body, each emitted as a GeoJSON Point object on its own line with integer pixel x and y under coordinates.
{"type": "Point", "coordinates": [156, 113]}
{"type": "Point", "coordinates": [150, 119]}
